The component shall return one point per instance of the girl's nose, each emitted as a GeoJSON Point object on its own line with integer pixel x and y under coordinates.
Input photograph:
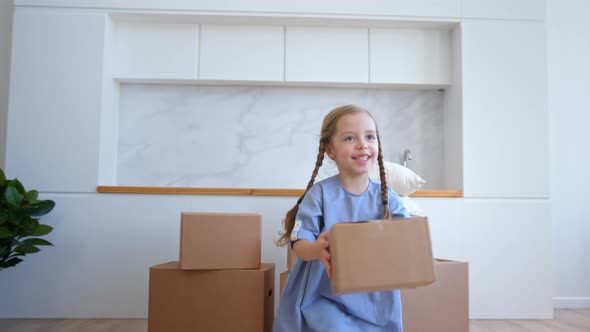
{"type": "Point", "coordinates": [362, 143]}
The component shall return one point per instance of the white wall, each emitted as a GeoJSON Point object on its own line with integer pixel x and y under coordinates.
{"type": "Point", "coordinates": [104, 245]}
{"type": "Point", "coordinates": [6, 11]}
{"type": "Point", "coordinates": [568, 50]}
{"type": "Point", "coordinates": [55, 98]}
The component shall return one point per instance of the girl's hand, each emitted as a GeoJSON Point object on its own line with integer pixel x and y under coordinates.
{"type": "Point", "coordinates": [323, 252]}
{"type": "Point", "coordinates": [315, 250]}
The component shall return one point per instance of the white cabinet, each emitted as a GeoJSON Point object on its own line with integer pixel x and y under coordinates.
{"type": "Point", "coordinates": [504, 9]}
{"type": "Point", "coordinates": [242, 52]}
{"type": "Point", "coordinates": [410, 56]}
{"type": "Point", "coordinates": [156, 51]}
{"type": "Point", "coordinates": [414, 8]}
{"type": "Point", "coordinates": [505, 117]}
{"type": "Point", "coordinates": [55, 99]}
{"type": "Point", "coordinates": [322, 54]}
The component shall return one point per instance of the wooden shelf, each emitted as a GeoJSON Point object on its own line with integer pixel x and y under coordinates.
{"type": "Point", "coordinates": [243, 191]}
{"type": "Point", "coordinates": [438, 193]}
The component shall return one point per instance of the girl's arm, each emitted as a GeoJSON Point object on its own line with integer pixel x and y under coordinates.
{"type": "Point", "coordinates": [315, 250]}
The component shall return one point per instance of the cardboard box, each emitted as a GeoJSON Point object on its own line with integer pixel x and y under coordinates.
{"type": "Point", "coordinates": [220, 241]}
{"type": "Point", "coordinates": [210, 300]}
{"type": "Point", "coordinates": [291, 258]}
{"type": "Point", "coordinates": [380, 255]}
{"type": "Point", "coordinates": [442, 306]}
{"type": "Point", "coordinates": [283, 281]}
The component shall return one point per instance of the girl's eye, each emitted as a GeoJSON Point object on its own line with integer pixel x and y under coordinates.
{"type": "Point", "coordinates": [348, 138]}
{"type": "Point", "coordinates": [372, 137]}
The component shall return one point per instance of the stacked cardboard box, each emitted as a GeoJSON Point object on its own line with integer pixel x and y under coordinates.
{"type": "Point", "coordinates": [442, 306]}
{"type": "Point", "coordinates": [219, 283]}
{"type": "Point", "coordinates": [211, 241]}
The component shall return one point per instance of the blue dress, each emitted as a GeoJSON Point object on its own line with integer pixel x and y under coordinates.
{"type": "Point", "coordinates": [307, 303]}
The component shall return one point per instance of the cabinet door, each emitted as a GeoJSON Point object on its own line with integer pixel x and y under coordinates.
{"type": "Point", "coordinates": [410, 56]}
{"type": "Point", "coordinates": [504, 9]}
{"type": "Point", "coordinates": [505, 117]}
{"type": "Point", "coordinates": [414, 8]}
{"type": "Point", "coordinates": [156, 51]}
{"type": "Point", "coordinates": [319, 54]}
{"type": "Point", "coordinates": [238, 52]}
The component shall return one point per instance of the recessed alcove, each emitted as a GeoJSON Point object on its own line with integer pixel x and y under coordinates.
{"type": "Point", "coordinates": [221, 117]}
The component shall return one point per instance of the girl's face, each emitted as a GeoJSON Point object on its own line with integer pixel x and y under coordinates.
{"type": "Point", "coordinates": [354, 145]}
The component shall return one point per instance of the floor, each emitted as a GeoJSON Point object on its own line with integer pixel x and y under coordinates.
{"type": "Point", "coordinates": [566, 320]}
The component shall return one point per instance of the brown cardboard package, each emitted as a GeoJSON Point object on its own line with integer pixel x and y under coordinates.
{"type": "Point", "coordinates": [380, 255]}
{"type": "Point", "coordinates": [220, 241]}
{"type": "Point", "coordinates": [283, 280]}
{"type": "Point", "coordinates": [442, 306]}
{"type": "Point", "coordinates": [218, 300]}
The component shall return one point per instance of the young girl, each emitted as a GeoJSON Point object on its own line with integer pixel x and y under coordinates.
{"type": "Point", "coordinates": [349, 136]}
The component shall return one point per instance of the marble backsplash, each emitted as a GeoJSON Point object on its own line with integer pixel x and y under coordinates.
{"type": "Point", "coordinates": [262, 136]}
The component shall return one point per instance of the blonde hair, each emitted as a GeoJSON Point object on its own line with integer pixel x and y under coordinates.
{"type": "Point", "coordinates": [328, 130]}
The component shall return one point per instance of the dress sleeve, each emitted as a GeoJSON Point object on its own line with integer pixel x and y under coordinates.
{"type": "Point", "coordinates": [395, 204]}
{"type": "Point", "coordinates": [309, 217]}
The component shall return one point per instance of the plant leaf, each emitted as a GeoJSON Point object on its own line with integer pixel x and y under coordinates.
{"type": "Point", "coordinates": [31, 196]}
{"type": "Point", "coordinates": [27, 227]}
{"type": "Point", "coordinates": [19, 186]}
{"type": "Point", "coordinates": [42, 230]}
{"type": "Point", "coordinates": [14, 217]}
{"type": "Point", "coordinates": [37, 242]}
{"type": "Point", "coordinates": [25, 248]}
{"type": "Point", "coordinates": [12, 196]}
{"type": "Point", "coordinates": [39, 208]}
{"type": "Point", "coordinates": [5, 249]}
{"type": "Point", "coordinates": [2, 180]}
{"type": "Point", "coordinates": [10, 263]}
{"type": "Point", "coordinates": [5, 233]}
{"type": "Point", "coordinates": [3, 215]}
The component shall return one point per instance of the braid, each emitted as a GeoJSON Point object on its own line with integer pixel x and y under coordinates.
{"type": "Point", "coordinates": [318, 164]}
{"type": "Point", "coordinates": [384, 191]}
{"type": "Point", "coordinates": [289, 221]}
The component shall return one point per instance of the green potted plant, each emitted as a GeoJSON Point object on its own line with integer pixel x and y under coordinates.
{"type": "Point", "coordinates": [19, 223]}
